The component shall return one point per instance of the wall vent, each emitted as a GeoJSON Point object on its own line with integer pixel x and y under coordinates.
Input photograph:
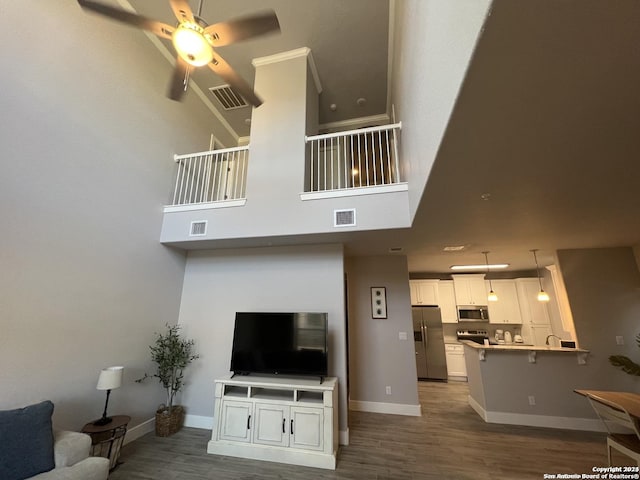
{"type": "Point", "coordinates": [198, 228]}
{"type": "Point", "coordinates": [228, 98]}
{"type": "Point", "coordinates": [344, 218]}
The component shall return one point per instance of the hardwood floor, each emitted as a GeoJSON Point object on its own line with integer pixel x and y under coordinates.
{"type": "Point", "coordinates": [449, 441]}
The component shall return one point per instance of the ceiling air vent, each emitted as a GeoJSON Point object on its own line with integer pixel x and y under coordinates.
{"type": "Point", "coordinates": [229, 99]}
{"type": "Point", "coordinates": [344, 218]}
{"type": "Point", "coordinates": [198, 228]}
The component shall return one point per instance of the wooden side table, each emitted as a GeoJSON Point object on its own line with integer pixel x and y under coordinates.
{"type": "Point", "coordinates": [107, 440]}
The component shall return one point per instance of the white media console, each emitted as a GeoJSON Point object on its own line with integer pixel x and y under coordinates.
{"type": "Point", "coordinates": [288, 420]}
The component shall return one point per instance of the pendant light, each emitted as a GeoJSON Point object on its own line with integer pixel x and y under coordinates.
{"type": "Point", "coordinates": [492, 297]}
{"type": "Point", "coordinates": [542, 295]}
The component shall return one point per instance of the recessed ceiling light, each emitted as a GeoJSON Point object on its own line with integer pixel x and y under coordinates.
{"type": "Point", "coordinates": [454, 248]}
{"type": "Point", "coordinates": [361, 101]}
{"type": "Point", "coordinates": [485, 196]}
{"type": "Point", "coordinates": [491, 266]}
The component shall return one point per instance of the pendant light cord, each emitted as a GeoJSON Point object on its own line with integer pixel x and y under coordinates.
{"type": "Point", "coordinates": [537, 268]}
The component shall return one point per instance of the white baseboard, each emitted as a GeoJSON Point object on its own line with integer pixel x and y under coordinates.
{"type": "Point", "coordinates": [139, 430]}
{"type": "Point", "coordinates": [198, 421]}
{"type": "Point", "coordinates": [547, 421]}
{"type": "Point", "coordinates": [381, 407]}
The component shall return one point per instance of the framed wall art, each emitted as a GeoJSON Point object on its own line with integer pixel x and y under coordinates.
{"type": "Point", "coordinates": [378, 302]}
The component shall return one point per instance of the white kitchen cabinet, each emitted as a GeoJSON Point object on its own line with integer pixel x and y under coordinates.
{"type": "Point", "coordinates": [276, 419]}
{"type": "Point", "coordinates": [447, 301]}
{"type": "Point", "coordinates": [470, 289]}
{"type": "Point", "coordinates": [507, 308]}
{"type": "Point", "coordinates": [532, 310]}
{"type": "Point", "coordinates": [424, 292]}
{"type": "Point", "coordinates": [536, 323]}
{"type": "Point", "coordinates": [456, 366]}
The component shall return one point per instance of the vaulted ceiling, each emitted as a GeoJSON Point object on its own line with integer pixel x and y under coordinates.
{"type": "Point", "coordinates": [542, 149]}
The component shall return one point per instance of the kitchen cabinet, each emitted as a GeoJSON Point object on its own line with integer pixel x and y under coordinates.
{"type": "Point", "coordinates": [536, 323]}
{"type": "Point", "coordinates": [507, 308]}
{"type": "Point", "coordinates": [447, 301]}
{"type": "Point", "coordinates": [456, 366]}
{"type": "Point", "coordinates": [277, 419]}
{"type": "Point", "coordinates": [424, 292]}
{"type": "Point", "coordinates": [470, 289]}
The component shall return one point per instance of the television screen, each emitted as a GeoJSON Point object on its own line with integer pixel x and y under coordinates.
{"type": "Point", "coordinates": [280, 343]}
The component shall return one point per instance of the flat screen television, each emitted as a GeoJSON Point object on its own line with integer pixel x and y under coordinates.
{"type": "Point", "coordinates": [280, 343]}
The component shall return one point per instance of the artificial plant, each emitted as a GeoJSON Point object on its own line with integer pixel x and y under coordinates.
{"type": "Point", "coordinates": [172, 354]}
{"type": "Point", "coordinates": [625, 363]}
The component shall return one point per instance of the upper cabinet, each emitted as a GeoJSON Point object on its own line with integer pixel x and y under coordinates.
{"type": "Point", "coordinates": [507, 308]}
{"type": "Point", "coordinates": [470, 289]}
{"type": "Point", "coordinates": [424, 292]}
{"type": "Point", "coordinates": [447, 304]}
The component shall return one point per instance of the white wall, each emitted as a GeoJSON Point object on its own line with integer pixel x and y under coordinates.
{"type": "Point", "coordinates": [219, 283]}
{"type": "Point", "coordinates": [434, 41]}
{"type": "Point", "coordinates": [86, 150]}
{"type": "Point", "coordinates": [377, 357]}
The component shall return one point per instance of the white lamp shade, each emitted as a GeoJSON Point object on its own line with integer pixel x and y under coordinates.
{"type": "Point", "coordinates": [110, 378]}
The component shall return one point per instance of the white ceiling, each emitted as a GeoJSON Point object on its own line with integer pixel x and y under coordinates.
{"type": "Point", "coordinates": [547, 122]}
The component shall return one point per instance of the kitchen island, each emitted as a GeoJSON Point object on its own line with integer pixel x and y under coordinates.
{"type": "Point", "coordinates": [529, 385]}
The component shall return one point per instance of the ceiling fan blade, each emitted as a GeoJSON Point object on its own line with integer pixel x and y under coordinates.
{"type": "Point", "coordinates": [236, 30]}
{"type": "Point", "coordinates": [182, 10]}
{"type": "Point", "coordinates": [221, 68]}
{"type": "Point", "coordinates": [158, 28]}
{"type": "Point", "coordinates": [179, 80]}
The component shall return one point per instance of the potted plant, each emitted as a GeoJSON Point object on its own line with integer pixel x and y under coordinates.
{"type": "Point", "coordinates": [172, 354]}
{"type": "Point", "coordinates": [625, 363]}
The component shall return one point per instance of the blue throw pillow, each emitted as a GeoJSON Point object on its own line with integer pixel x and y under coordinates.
{"type": "Point", "coordinates": [26, 441]}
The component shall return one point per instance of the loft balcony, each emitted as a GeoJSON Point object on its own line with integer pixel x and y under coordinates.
{"type": "Point", "coordinates": [290, 182]}
{"type": "Point", "coordinates": [336, 166]}
{"type": "Point", "coordinates": [354, 162]}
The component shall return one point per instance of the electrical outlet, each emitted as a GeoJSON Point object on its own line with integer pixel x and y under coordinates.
{"type": "Point", "coordinates": [532, 400]}
{"type": "Point", "coordinates": [619, 340]}
{"type": "Point", "coordinates": [388, 389]}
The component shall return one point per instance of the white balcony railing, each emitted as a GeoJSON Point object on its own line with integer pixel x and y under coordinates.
{"type": "Point", "coordinates": [212, 176]}
{"type": "Point", "coordinates": [352, 159]}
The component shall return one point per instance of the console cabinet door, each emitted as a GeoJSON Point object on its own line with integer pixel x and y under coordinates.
{"type": "Point", "coordinates": [271, 424]}
{"type": "Point", "coordinates": [306, 426]}
{"type": "Point", "coordinates": [236, 421]}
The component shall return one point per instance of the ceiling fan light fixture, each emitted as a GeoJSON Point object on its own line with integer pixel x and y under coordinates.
{"type": "Point", "coordinates": [192, 45]}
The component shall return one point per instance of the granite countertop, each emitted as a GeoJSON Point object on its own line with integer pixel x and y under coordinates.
{"type": "Point", "coordinates": [515, 346]}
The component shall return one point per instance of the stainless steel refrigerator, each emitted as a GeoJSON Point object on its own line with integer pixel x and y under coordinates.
{"type": "Point", "coordinates": [431, 361]}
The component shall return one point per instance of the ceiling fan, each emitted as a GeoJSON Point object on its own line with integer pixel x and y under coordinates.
{"type": "Point", "coordinates": [194, 41]}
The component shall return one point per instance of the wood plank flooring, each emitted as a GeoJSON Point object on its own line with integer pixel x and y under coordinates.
{"type": "Point", "coordinates": [449, 441]}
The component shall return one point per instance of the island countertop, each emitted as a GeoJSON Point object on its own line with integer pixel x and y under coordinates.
{"type": "Point", "coordinates": [510, 347]}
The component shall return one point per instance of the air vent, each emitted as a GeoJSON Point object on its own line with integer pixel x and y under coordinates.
{"type": "Point", "coordinates": [229, 99]}
{"type": "Point", "coordinates": [198, 228]}
{"type": "Point", "coordinates": [344, 218]}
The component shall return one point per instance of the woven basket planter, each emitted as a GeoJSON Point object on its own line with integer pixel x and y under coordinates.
{"type": "Point", "coordinates": [169, 422]}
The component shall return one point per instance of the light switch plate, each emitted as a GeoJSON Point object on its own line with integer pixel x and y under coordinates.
{"type": "Point", "coordinates": [619, 340]}
{"type": "Point", "coordinates": [402, 335]}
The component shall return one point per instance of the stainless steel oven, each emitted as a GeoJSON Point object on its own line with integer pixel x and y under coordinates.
{"type": "Point", "coordinates": [473, 313]}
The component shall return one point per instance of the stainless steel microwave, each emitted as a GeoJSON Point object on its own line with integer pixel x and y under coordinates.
{"type": "Point", "coordinates": [473, 313]}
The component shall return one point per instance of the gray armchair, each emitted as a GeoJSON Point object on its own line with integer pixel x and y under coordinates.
{"type": "Point", "coordinates": [71, 454]}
